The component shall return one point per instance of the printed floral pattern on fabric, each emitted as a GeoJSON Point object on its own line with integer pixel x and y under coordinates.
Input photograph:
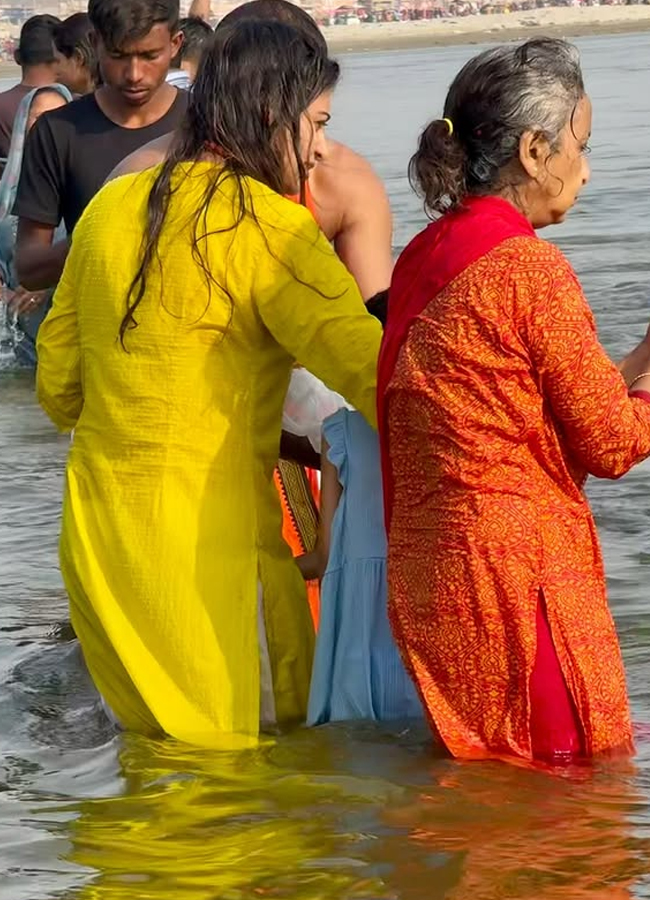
{"type": "Point", "coordinates": [501, 402]}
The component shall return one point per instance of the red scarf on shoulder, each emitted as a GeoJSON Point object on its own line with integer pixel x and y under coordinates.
{"type": "Point", "coordinates": [429, 263]}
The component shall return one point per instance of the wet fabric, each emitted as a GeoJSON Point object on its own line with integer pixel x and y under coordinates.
{"type": "Point", "coordinates": [170, 514]}
{"type": "Point", "coordinates": [496, 400]}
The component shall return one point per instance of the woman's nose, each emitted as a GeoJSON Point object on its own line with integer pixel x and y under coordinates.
{"type": "Point", "coordinates": [320, 146]}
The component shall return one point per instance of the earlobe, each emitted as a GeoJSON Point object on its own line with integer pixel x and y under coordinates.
{"type": "Point", "coordinates": [533, 147]}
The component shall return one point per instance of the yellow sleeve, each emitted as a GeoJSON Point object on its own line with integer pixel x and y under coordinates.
{"type": "Point", "coordinates": [58, 374]}
{"type": "Point", "coordinates": [312, 306]}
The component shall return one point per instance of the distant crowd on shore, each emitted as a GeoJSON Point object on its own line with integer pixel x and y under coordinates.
{"type": "Point", "coordinates": [350, 15]}
{"type": "Point", "coordinates": [385, 14]}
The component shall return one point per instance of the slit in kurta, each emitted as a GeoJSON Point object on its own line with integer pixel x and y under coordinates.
{"type": "Point", "coordinates": [556, 734]}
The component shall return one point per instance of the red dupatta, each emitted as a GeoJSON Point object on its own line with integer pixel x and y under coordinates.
{"type": "Point", "coordinates": [429, 263]}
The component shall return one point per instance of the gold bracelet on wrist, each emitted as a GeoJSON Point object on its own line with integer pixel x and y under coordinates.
{"type": "Point", "coordinates": [638, 378]}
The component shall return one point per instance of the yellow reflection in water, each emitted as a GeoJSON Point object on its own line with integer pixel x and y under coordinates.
{"type": "Point", "coordinates": [231, 826]}
{"type": "Point", "coordinates": [332, 815]}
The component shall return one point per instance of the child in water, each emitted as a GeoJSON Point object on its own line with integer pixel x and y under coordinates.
{"type": "Point", "coordinates": [358, 672]}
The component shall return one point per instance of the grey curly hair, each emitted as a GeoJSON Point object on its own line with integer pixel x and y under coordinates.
{"type": "Point", "coordinates": [497, 97]}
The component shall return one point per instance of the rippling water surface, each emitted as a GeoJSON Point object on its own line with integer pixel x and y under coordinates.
{"type": "Point", "coordinates": [335, 812]}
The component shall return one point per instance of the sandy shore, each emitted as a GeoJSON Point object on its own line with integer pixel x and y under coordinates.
{"type": "Point", "coordinates": [556, 22]}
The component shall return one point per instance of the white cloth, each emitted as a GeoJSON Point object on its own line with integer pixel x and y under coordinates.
{"type": "Point", "coordinates": [307, 404]}
{"type": "Point", "coordinates": [267, 697]}
{"type": "Point", "coordinates": [179, 79]}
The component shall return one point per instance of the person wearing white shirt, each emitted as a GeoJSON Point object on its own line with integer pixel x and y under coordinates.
{"type": "Point", "coordinates": [183, 67]}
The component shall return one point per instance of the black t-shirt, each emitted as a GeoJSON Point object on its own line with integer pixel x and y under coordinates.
{"type": "Point", "coordinates": [71, 151]}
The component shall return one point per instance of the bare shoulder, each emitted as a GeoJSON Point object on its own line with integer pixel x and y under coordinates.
{"type": "Point", "coordinates": [352, 208]}
{"type": "Point", "coordinates": [344, 171]}
{"type": "Point", "coordinates": [152, 154]}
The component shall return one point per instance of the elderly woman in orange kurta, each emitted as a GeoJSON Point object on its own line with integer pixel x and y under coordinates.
{"type": "Point", "coordinates": [496, 401]}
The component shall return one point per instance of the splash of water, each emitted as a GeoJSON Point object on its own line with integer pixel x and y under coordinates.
{"type": "Point", "coordinates": [10, 334]}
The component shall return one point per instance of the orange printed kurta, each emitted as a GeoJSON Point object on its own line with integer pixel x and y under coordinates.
{"type": "Point", "coordinates": [299, 493]}
{"type": "Point", "coordinates": [500, 404]}
{"type": "Point", "coordinates": [300, 530]}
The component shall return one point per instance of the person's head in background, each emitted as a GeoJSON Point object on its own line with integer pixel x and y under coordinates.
{"type": "Point", "coordinates": [36, 53]}
{"type": "Point", "coordinates": [75, 41]}
{"type": "Point", "coordinates": [276, 11]}
{"type": "Point", "coordinates": [136, 41]}
{"type": "Point", "coordinates": [196, 36]}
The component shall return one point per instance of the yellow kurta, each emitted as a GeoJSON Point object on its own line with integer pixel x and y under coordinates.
{"type": "Point", "coordinates": [170, 515]}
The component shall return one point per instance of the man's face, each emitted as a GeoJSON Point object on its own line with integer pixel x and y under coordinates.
{"type": "Point", "coordinates": [139, 67]}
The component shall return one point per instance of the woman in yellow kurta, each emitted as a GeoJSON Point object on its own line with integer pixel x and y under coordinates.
{"type": "Point", "coordinates": [189, 292]}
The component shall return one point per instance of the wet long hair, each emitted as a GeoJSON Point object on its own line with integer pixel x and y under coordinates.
{"type": "Point", "coordinates": [255, 81]}
{"type": "Point", "coordinates": [496, 98]}
{"type": "Point", "coordinates": [276, 11]}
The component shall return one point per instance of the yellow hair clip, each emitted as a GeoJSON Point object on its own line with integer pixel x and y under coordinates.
{"type": "Point", "coordinates": [450, 125]}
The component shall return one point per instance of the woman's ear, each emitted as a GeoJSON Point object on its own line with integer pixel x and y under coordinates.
{"type": "Point", "coordinates": [534, 150]}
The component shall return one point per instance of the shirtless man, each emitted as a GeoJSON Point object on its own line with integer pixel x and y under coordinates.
{"type": "Point", "coordinates": [349, 200]}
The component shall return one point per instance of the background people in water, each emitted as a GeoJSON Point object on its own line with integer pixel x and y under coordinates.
{"type": "Point", "coordinates": [183, 67]}
{"type": "Point", "coordinates": [71, 151]}
{"type": "Point", "coordinates": [37, 57]}
{"type": "Point", "coordinates": [25, 309]}
{"type": "Point", "coordinates": [78, 63]}
{"type": "Point", "coordinates": [496, 402]}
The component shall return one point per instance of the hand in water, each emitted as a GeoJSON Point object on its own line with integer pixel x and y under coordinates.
{"type": "Point", "coordinates": [22, 301]}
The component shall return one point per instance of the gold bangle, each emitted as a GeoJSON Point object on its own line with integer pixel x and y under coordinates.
{"type": "Point", "coordinates": [638, 378]}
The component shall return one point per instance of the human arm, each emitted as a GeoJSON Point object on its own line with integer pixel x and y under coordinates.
{"type": "Point", "coordinates": [364, 237]}
{"type": "Point", "coordinates": [22, 301]}
{"type": "Point", "coordinates": [306, 406]}
{"type": "Point", "coordinates": [311, 305]}
{"type": "Point", "coordinates": [39, 261]}
{"type": "Point", "coordinates": [58, 375]}
{"type": "Point", "coordinates": [313, 565]}
{"type": "Point", "coordinates": [636, 364]}
{"type": "Point", "coordinates": [44, 101]}
{"type": "Point", "coordinates": [606, 428]}
{"type": "Point", "coordinates": [200, 9]}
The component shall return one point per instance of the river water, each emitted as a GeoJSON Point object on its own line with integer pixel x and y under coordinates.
{"type": "Point", "coordinates": [334, 813]}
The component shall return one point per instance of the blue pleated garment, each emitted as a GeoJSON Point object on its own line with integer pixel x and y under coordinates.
{"type": "Point", "coordinates": [358, 673]}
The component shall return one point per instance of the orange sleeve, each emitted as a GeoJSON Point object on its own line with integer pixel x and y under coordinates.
{"type": "Point", "coordinates": [607, 430]}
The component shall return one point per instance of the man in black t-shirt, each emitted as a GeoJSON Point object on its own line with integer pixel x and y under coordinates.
{"type": "Point", "coordinates": [70, 151]}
